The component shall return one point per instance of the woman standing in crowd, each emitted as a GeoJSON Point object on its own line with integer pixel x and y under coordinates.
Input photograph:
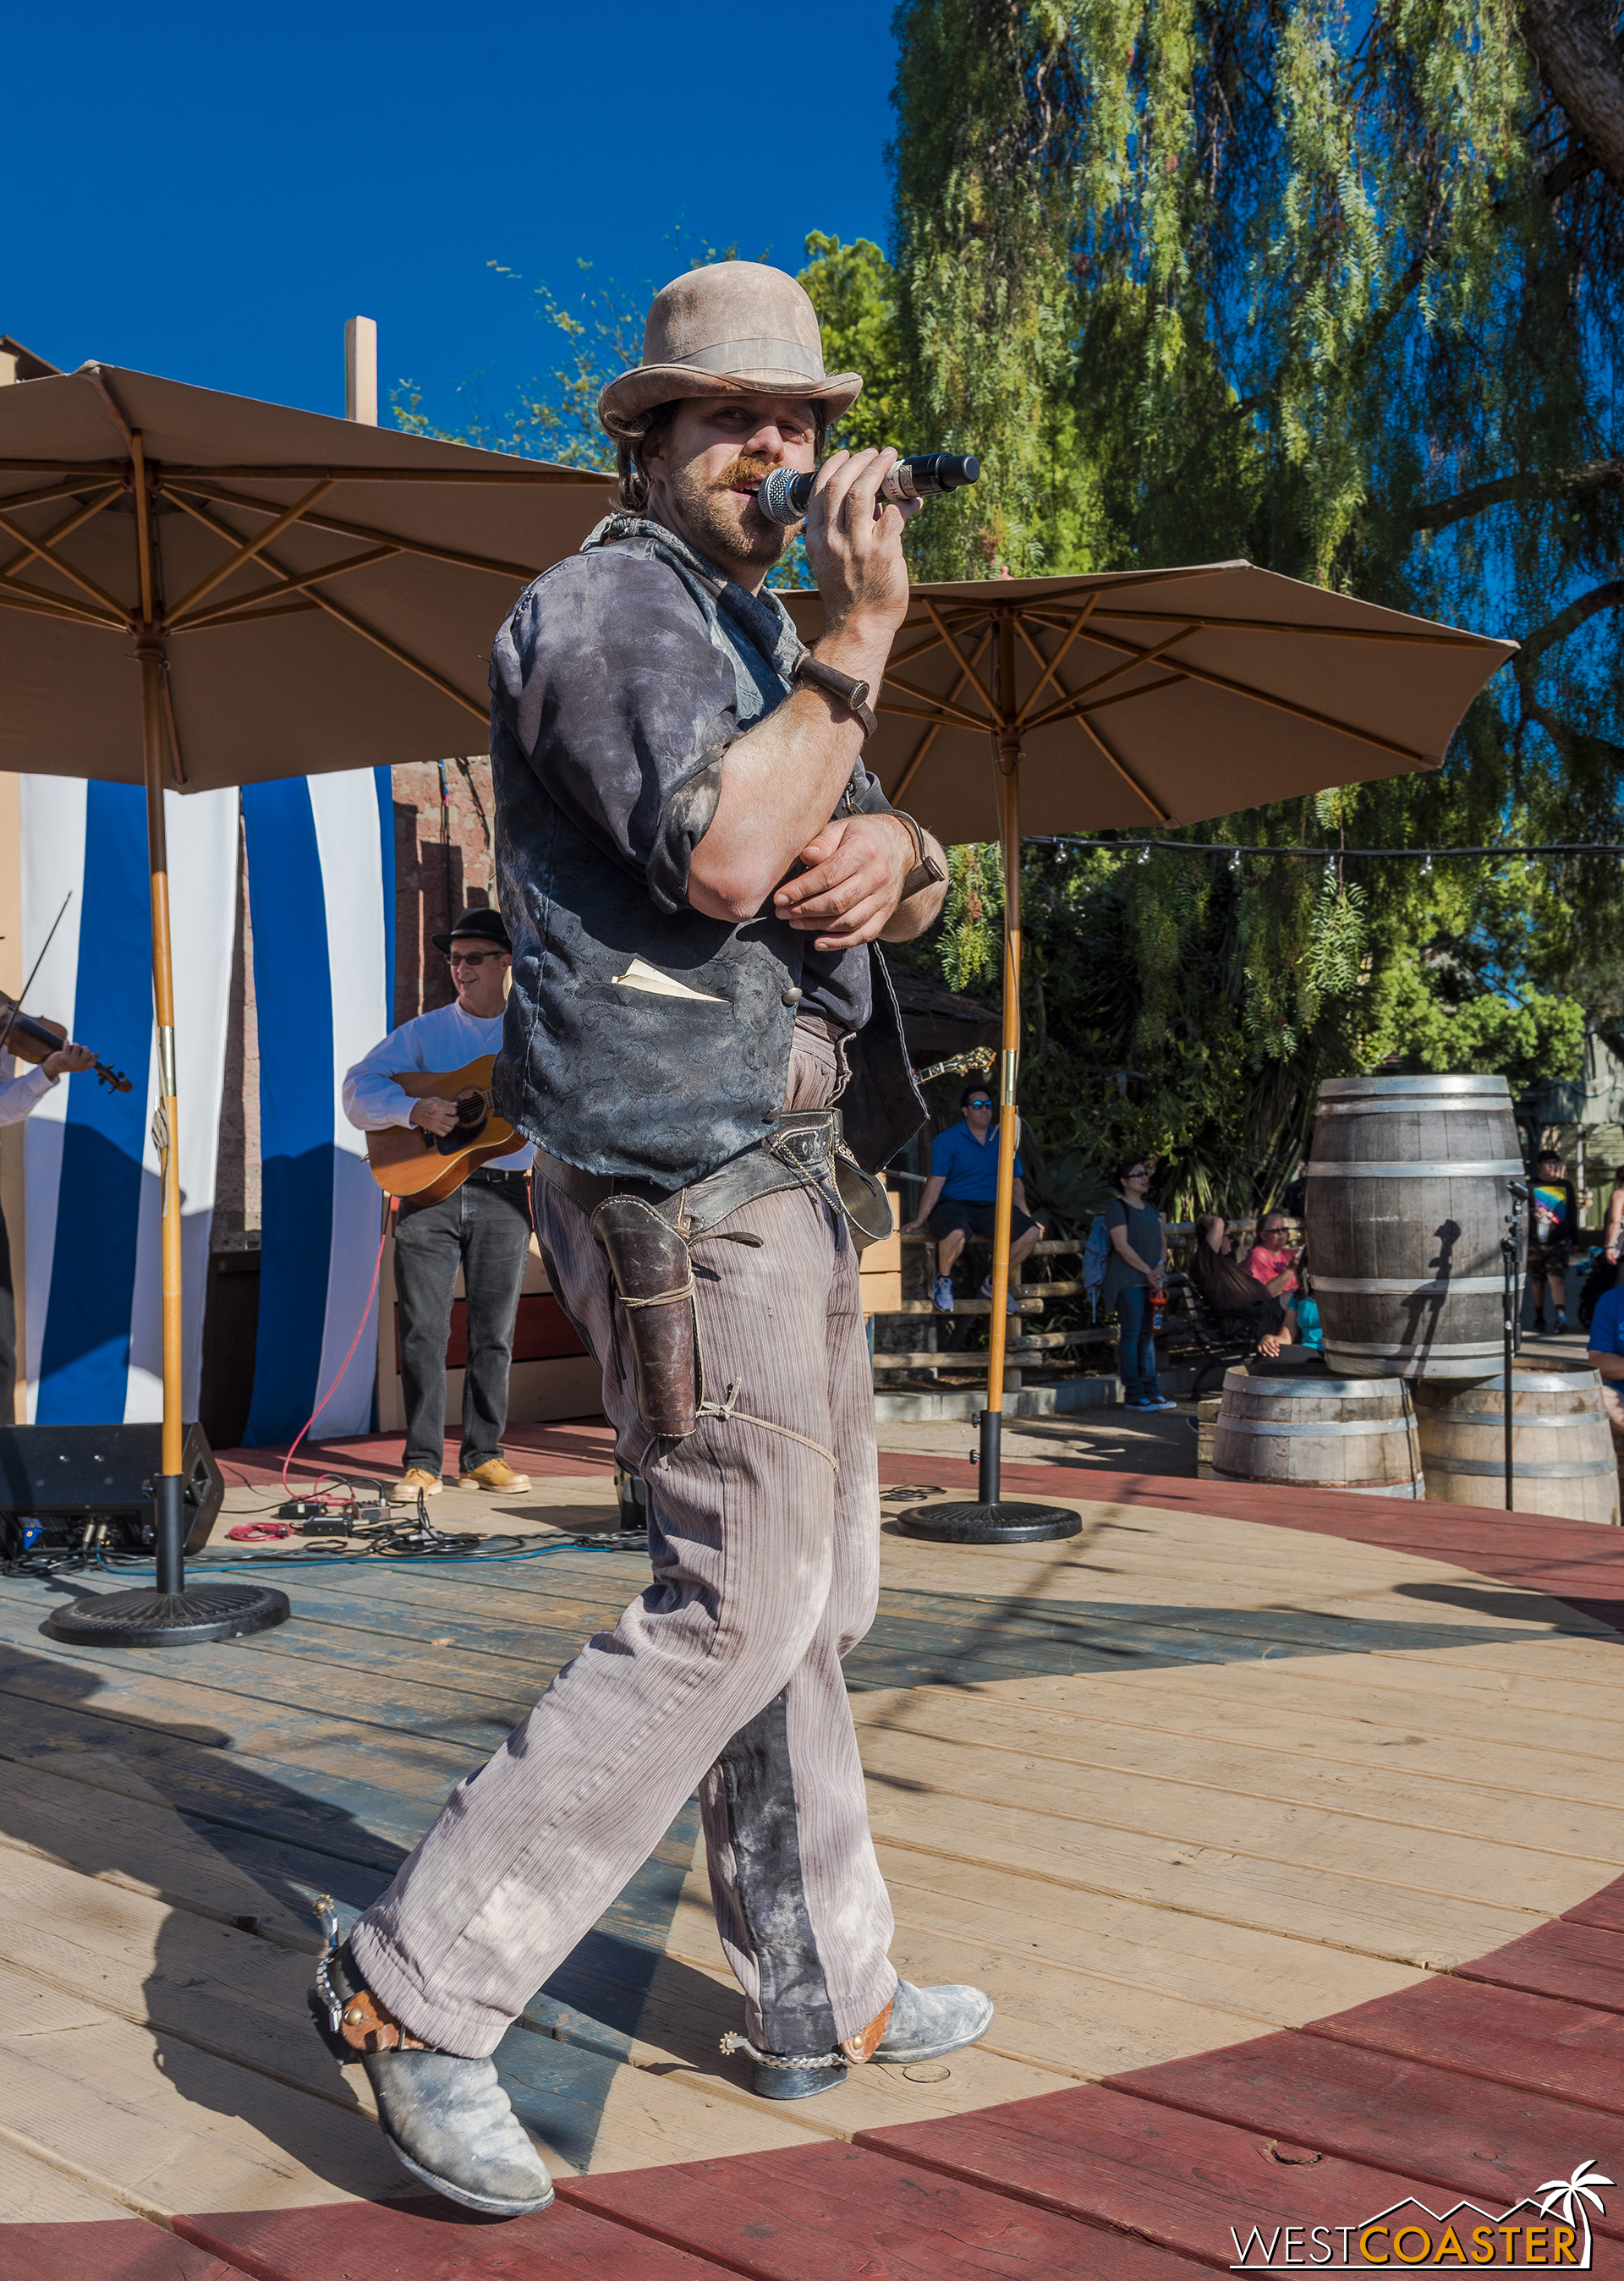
{"type": "Point", "coordinates": [1134, 1275]}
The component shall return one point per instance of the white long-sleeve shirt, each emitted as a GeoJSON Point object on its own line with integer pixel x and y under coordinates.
{"type": "Point", "coordinates": [447, 1039]}
{"type": "Point", "coordinates": [20, 1095]}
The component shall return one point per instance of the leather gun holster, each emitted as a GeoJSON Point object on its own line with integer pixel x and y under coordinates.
{"type": "Point", "coordinates": [648, 1237]}
{"type": "Point", "coordinates": [653, 1281]}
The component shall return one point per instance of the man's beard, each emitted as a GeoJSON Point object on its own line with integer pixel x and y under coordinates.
{"type": "Point", "coordinates": [721, 523]}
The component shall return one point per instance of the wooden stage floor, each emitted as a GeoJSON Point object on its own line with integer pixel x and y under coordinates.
{"type": "Point", "coordinates": [1287, 1833]}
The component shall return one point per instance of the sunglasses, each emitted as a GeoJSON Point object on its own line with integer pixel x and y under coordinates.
{"type": "Point", "coordinates": [980, 1102]}
{"type": "Point", "coordinates": [472, 958]}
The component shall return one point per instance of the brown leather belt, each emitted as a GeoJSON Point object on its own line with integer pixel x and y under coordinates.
{"type": "Point", "coordinates": [804, 1149]}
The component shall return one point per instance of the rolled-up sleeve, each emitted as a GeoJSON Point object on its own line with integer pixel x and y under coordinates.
{"type": "Point", "coordinates": [606, 680]}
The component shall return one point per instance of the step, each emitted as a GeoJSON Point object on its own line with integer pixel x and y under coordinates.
{"type": "Point", "coordinates": [923, 1407]}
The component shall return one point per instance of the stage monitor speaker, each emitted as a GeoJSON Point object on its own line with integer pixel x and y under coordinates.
{"type": "Point", "coordinates": [67, 1477]}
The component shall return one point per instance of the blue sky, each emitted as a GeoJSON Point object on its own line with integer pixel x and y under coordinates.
{"type": "Point", "coordinates": [208, 194]}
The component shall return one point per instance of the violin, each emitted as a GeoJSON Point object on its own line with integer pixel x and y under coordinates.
{"type": "Point", "coordinates": [32, 1040]}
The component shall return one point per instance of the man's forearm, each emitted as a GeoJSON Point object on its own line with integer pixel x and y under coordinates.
{"type": "Point", "coordinates": [780, 784]}
{"type": "Point", "coordinates": [1610, 1366]}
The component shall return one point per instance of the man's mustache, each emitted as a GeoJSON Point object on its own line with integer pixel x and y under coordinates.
{"type": "Point", "coordinates": [748, 472]}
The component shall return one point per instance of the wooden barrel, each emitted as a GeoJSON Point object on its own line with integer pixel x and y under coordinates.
{"type": "Point", "coordinates": [1562, 1453]}
{"type": "Point", "coordinates": [1354, 1433]}
{"type": "Point", "coordinates": [1407, 1203]}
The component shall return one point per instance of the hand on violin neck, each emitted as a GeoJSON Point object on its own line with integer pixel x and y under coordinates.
{"type": "Point", "coordinates": [69, 1060]}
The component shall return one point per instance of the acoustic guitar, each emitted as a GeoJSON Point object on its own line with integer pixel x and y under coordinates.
{"type": "Point", "coordinates": [407, 1162]}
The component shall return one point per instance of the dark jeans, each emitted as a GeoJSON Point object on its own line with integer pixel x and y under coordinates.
{"type": "Point", "coordinates": [484, 1228]}
{"type": "Point", "coordinates": [1136, 1347]}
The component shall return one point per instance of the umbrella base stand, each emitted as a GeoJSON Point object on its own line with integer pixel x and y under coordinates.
{"type": "Point", "coordinates": [189, 1618]}
{"type": "Point", "coordinates": [992, 1519]}
{"type": "Point", "coordinates": [169, 1612]}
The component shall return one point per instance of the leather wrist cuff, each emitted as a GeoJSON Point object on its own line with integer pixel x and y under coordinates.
{"type": "Point", "coordinates": [927, 872]}
{"type": "Point", "coordinates": [851, 692]}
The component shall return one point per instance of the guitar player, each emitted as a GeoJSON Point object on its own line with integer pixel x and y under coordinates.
{"type": "Point", "coordinates": [484, 1226]}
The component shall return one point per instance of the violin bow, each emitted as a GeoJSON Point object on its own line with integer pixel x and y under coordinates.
{"type": "Point", "coordinates": [33, 971]}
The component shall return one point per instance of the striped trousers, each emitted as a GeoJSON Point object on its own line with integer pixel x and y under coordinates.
{"type": "Point", "coordinates": [724, 1675]}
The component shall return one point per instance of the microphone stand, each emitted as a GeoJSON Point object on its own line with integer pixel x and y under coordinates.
{"type": "Point", "coordinates": [1508, 1324]}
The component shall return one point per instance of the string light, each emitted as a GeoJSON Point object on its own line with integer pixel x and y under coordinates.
{"type": "Point", "coordinates": [1235, 849]}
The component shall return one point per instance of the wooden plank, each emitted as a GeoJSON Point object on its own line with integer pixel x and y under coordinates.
{"type": "Point", "coordinates": [1567, 2050]}
{"type": "Point", "coordinates": [53, 2227]}
{"type": "Point", "coordinates": [1187, 2184]}
{"type": "Point", "coordinates": [1605, 1908]}
{"type": "Point", "coordinates": [1070, 1871]}
{"type": "Point", "coordinates": [1454, 2130]}
{"type": "Point", "coordinates": [429, 2240]}
{"type": "Point", "coordinates": [1583, 1961]}
{"type": "Point", "coordinates": [849, 2214]}
{"type": "Point", "coordinates": [1382, 1699]}
{"type": "Point", "coordinates": [1263, 1976]}
{"type": "Point", "coordinates": [114, 2248]}
{"type": "Point", "coordinates": [1115, 1716]}
{"type": "Point", "coordinates": [1271, 1780]}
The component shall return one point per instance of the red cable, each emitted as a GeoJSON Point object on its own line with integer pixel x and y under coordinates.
{"type": "Point", "coordinates": [378, 1269]}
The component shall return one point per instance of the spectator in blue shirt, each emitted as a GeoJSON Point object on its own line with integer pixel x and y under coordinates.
{"type": "Point", "coordinates": [1606, 1355]}
{"type": "Point", "coordinates": [962, 1191]}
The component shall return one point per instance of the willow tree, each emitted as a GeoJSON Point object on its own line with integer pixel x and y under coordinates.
{"type": "Point", "coordinates": [1341, 295]}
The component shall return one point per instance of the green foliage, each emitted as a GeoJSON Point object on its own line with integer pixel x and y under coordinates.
{"type": "Point", "coordinates": [854, 290]}
{"type": "Point", "coordinates": [1202, 280]}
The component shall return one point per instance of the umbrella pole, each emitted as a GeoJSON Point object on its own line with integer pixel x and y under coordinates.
{"type": "Point", "coordinates": [993, 1519]}
{"type": "Point", "coordinates": [164, 1613]}
{"type": "Point", "coordinates": [992, 1416]}
{"type": "Point", "coordinates": [169, 1514]}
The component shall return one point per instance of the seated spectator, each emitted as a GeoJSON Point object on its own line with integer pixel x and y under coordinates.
{"type": "Point", "coordinates": [1272, 1261]}
{"type": "Point", "coordinates": [1606, 1355]}
{"type": "Point", "coordinates": [1302, 1326]}
{"type": "Point", "coordinates": [961, 1195]}
{"type": "Point", "coordinates": [1230, 1292]}
{"type": "Point", "coordinates": [1554, 1207]}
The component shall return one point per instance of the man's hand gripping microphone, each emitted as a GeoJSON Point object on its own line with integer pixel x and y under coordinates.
{"type": "Point", "coordinates": [784, 496]}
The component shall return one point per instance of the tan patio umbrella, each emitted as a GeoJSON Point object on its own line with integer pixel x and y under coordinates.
{"type": "Point", "coordinates": [1138, 700]}
{"type": "Point", "coordinates": [299, 594]}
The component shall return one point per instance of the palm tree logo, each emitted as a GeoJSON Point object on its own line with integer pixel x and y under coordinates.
{"type": "Point", "coordinates": [1572, 2195]}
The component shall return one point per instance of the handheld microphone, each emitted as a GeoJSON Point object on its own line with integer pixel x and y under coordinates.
{"type": "Point", "coordinates": [783, 497]}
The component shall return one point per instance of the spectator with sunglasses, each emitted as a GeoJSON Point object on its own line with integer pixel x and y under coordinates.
{"type": "Point", "coordinates": [484, 1226]}
{"type": "Point", "coordinates": [1134, 1275]}
{"type": "Point", "coordinates": [961, 1195]}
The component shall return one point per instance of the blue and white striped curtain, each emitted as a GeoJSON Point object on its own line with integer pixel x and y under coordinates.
{"type": "Point", "coordinates": [91, 1296]}
{"type": "Point", "coordinates": [321, 896]}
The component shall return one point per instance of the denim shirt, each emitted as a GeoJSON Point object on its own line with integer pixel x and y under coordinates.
{"type": "Point", "coordinates": [642, 1037]}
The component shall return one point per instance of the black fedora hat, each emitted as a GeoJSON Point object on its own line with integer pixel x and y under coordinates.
{"type": "Point", "coordinates": [486, 923]}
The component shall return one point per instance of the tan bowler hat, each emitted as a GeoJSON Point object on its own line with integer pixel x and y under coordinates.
{"type": "Point", "coordinates": [732, 329]}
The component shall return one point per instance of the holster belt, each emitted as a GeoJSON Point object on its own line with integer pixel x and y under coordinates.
{"type": "Point", "coordinates": [806, 1149]}
{"type": "Point", "coordinates": [647, 1231]}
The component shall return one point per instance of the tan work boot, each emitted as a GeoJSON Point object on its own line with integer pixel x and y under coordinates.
{"type": "Point", "coordinates": [415, 1479]}
{"type": "Point", "coordinates": [496, 1475]}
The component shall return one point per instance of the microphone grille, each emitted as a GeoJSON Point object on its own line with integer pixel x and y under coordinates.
{"type": "Point", "coordinates": [776, 496]}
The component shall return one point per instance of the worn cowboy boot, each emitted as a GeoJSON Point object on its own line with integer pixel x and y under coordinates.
{"type": "Point", "coordinates": [448, 2118]}
{"type": "Point", "coordinates": [918, 2023]}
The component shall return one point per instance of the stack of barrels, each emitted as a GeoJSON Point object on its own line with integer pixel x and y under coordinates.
{"type": "Point", "coordinates": [1408, 1200]}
